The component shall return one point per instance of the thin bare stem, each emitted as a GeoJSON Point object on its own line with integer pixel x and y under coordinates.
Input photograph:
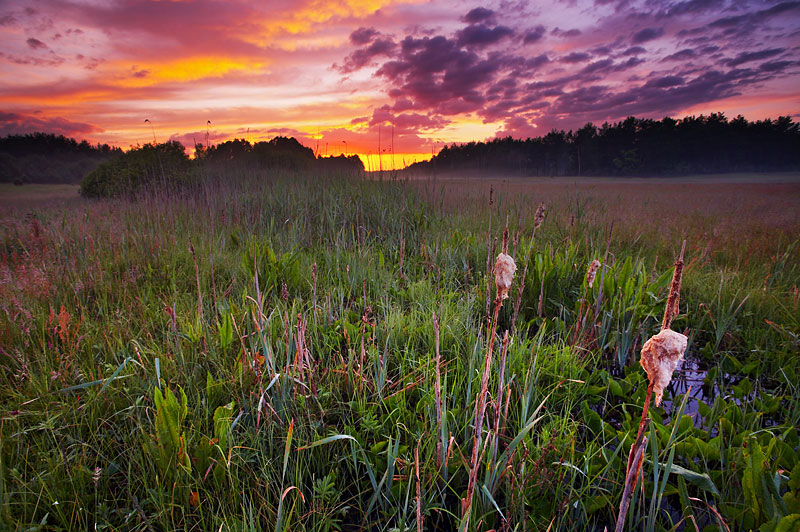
{"type": "Point", "coordinates": [416, 472]}
{"type": "Point", "coordinates": [438, 389]}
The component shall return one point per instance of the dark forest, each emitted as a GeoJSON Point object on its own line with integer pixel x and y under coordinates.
{"type": "Point", "coordinates": [636, 146]}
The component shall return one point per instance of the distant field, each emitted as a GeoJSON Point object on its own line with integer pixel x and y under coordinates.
{"type": "Point", "coordinates": [758, 210]}
{"type": "Point", "coordinates": [29, 196]}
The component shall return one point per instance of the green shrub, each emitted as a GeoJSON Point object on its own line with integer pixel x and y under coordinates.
{"type": "Point", "coordinates": [160, 165]}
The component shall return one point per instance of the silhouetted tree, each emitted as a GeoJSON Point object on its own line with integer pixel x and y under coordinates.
{"type": "Point", "coordinates": [636, 146]}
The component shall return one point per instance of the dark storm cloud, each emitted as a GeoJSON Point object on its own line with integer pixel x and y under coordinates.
{"type": "Point", "coordinates": [647, 34]}
{"type": "Point", "coordinates": [746, 57]}
{"type": "Point", "coordinates": [482, 35]}
{"type": "Point", "coordinates": [479, 14]}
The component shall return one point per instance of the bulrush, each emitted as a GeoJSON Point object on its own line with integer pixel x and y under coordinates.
{"type": "Point", "coordinates": [504, 270]}
{"type": "Point", "coordinates": [538, 218]}
{"type": "Point", "coordinates": [660, 357]}
{"type": "Point", "coordinates": [592, 272]}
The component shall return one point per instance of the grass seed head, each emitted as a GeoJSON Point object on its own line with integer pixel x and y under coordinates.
{"type": "Point", "coordinates": [504, 269]}
{"type": "Point", "coordinates": [660, 356]}
{"type": "Point", "coordinates": [538, 218]}
{"type": "Point", "coordinates": [592, 272]}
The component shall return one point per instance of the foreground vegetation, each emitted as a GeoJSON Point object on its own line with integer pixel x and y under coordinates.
{"type": "Point", "coordinates": [301, 354]}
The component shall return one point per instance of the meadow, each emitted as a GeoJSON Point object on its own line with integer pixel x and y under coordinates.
{"type": "Point", "coordinates": [287, 352]}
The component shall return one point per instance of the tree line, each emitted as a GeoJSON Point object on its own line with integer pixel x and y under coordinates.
{"type": "Point", "coordinates": [636, 146]}
{"type": "Point", "coordinates": [49, 158]}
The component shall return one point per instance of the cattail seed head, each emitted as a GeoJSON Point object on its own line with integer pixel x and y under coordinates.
{"type": "Point", "coordinates": [504, 269]}
{"type": "Point", "coordinates": [538, 218]}
{"type": "Point", "coordinates": [592, 272]}
{"type": "Point", "coordinates": [660, 356]}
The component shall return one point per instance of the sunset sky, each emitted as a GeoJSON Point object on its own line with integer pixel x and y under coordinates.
{"type": "Point", "coordinates": [332, 73]}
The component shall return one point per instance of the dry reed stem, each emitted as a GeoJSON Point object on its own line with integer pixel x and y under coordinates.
{"type": "Point", "coordinates": [438, 389]}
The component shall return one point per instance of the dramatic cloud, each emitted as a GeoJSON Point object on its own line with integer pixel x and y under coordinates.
{"type": "Point", "coordinates": [339, 75]}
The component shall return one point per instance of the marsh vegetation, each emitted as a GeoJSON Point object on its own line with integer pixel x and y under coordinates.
{"type": "Point", "coordinates": [298, 353]}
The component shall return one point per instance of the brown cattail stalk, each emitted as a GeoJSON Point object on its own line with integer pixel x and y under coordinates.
{"type": "Point", "coordinates": [660, 356]}
{"type": "Point", "coordinates": [489, 258]}
{"type": "Point", "coordinates": [504, 273]}
{"type": "Point", "coordinates": [674, 292]}
{"type": "Point", "coordinates": [592, 272]}
{"type": "Point", "coordinates": [538, 219]}
{"type": "Point", "coordinates": [630, 481]}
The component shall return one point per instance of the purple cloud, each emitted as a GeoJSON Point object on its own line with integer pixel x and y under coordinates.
{"type": "Point", "coordinates": [575, 57]}
{"type": "Point", "coordinates": [647, 34]}
{"type": "Point", "coordinates": [479, 14]}
{"type": "Point", "coordinates": [482, 35]}
{"type": "Point", "coordinates": [746, 57]}
{"type": "Point", "coordinates": [20, 124]}
{"type": "Point", "coordinates": [534, 35]}
{"type": "Point", "coordinates": [36, 44]}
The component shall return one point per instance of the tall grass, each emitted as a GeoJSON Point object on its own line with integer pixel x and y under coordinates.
{"type": "Point", "coordinates": [263, 354]}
